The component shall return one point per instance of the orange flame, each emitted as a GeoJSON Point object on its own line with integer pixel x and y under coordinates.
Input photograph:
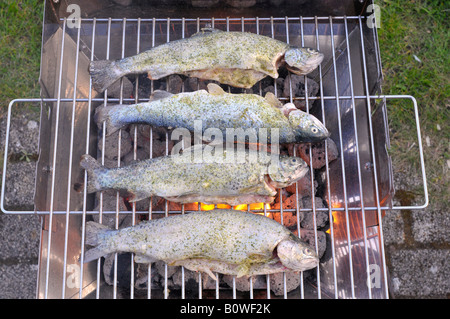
{"type": "Point", "coordinates": [253, 206]}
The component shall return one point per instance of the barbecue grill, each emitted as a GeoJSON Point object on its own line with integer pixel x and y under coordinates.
{"type": "Point", "coordinates": [357, 187]}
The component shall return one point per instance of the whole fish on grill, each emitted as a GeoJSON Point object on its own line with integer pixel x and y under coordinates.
{"type": "Point", "coordinates": [239, 59]}
{"type": "Point", "coordinates": [220, 110]}
{"type": "Point", "coordinates": [200, 174]}
{"type": "Point", "coordinates": [224, 241]}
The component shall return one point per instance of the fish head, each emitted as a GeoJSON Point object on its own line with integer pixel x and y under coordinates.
{"type": "Point", "coordinates": [307, 127]}
{"type": "Point", "coordinates": [296, 255]}
{"type": "Point", "coordinates": [287, 170]}
{"type": "Point", "coordinates": [302, 61]}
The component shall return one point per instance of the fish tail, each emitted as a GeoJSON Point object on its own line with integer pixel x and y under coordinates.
{"type": "Point", "coordinates": [104, 73]}
{"type": "Point", "coordinates": [96, 235]}
{"type": "Point", "coordinates": [103, 114]}
{"type": "Point", "coordinates": [94, 170]}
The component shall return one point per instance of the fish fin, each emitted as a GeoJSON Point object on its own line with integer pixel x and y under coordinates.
{"type": "Point", "coordinates": [242, 270]}
{"type": "Point", "coordinates": [273, 100]}
{"type": "Point", "coordinates": [288, 108]}
{"type": "Point", "coordinates": [95, 234]}
{"type": "Point", "coordinates": [160, 94]}
{"type": "Point", "coordinates": [104, 73]}
{"type": "Point", "coordinates": [93, 169]}
{"type": "Point", "coordinates": [215, 89]}
{"type": "Point", "coordinates": [209, 273]}
{"type": "Point", "coordinates": [102, 114]}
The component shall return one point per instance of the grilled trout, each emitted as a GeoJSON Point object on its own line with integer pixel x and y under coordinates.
{"type": "Point", "coordinates": [224, 241]}
{"type": "Point", "coordinates": [220, 110]}
{"type": "Point", "coordinates": [239, 59]}
{"type": "Point", "coordinates": [198, 175]}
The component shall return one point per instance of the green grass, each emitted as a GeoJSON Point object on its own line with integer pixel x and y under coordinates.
{"type": "Point", "coordinates": [419, 29]}
{"type": "Point", "coordinates": [20, 49]}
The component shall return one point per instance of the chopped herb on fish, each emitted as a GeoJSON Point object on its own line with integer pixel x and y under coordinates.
{"type": "Point", "coordinates": [220, 110]}
{"type": "Point", "coordinates": [239, 59]}
{"type": "Point", "coordinates": [231, 177]}
{"type": "Point", "coordinates": [218, 241]}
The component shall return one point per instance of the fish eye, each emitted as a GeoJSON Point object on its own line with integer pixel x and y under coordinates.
{"type": "Point", "coordinates": [315, 130]}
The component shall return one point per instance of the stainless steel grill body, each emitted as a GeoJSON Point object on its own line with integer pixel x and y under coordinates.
{"type": "Point", "coordinates": [358, 185]}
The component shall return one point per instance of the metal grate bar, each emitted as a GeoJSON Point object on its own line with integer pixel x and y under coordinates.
{"type": "Point", "coordinates": [344, 245]}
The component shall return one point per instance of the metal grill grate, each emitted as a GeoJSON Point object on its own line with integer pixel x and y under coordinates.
{"type": "Point", "coordinates": [358, 184]}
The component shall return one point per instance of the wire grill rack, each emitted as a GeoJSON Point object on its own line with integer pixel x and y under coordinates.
{"type": "Point", "coordinates": [354, 191]}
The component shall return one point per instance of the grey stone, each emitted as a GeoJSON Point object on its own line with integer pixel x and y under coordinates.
{"type": "Point", "coordinates": [19, 237]}
{"type": "Point", "coordinates": [19, 190]}
{"type": "Point", "coordinates": [393, 228]}
{"type": "Point", "coordinates": [420, 273]}
{"type": "Point", "coordinates": [18, 281]}
{"type": "Point", "coordinates": [23, 134]}
{"type": "Point", "coordinates": [430, 226]}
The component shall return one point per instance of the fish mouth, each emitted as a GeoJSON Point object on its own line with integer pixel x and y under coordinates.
{"type": "Point", "coordinates": [309, 263]}
{"type": "Point", "coordinates": [307, 67]}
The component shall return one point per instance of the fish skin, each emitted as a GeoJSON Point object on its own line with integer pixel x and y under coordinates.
{"type": "Point", "coordinates": [219, 110]}
{"type": "Point", "coordinates": [226, 241]}
{"type": "Point", "coordinates": [182, 178]}
{"type": "Point", "coordinates": [239, 59]}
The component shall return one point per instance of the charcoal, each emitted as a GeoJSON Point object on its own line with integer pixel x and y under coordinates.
{"type": "Point", "coordinates": [204, 3]}
{"type": "Point", "coordinates": [129, 158]}
{"type": "Point", "coordinates": [190, 279]}
{"type": "Point", "coordinates": [308, 236]}
{"type": "Point", "coordinates": [114, 89]}
{"type": "Point", "coordinates": [289, 218]}
{"type": "Point", "coordinates": [296, 83]}
{"type": "Point", "coordinates": [160, 268]}
{"type": "Point", "coordinates": [141, 281]}
{"type": "Point", "coordinates": [174, 84]}
{"type": "Point", "coordinates": [276, 2]}
{"type": "Point", "coordinates": [123, 269]}
{"type": "Point", "coordinates": [243, 283]}
{"type": "Point", "coordinates": [110, 202]}
{"type": "Point", "coordinates": [304, 186]}
{"type": "Point", "coordinates": [112, 147]}
{"type": "Point", "coordinates": [307, 219]}
{"type": "Point", "coordinates": [195, 84]}
{"type": "Point", "coordinates": [318, 153]}
{"type": "Point", "coordinates": [293, 280]}
{"type": "Point", "coordinates": [110, 220]}
{"type": "Point", "coordinates": [123, 3]}
{"type": "Point", "coordinates": [241, 3]}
